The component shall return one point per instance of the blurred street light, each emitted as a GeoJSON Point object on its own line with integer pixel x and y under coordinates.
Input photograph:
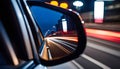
{"type": "Point", "coordinates": [78, 4]}
{"type": "Point", "coordinates": [64, 5]}
{"type": "Point", "coordinates": [55, 3]}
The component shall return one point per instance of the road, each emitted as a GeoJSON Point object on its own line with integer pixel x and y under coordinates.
{"type": "Point", "coordinates": [100, 53]}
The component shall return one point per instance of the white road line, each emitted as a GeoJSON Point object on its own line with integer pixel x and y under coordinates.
{"type": "Point", "coordinates": [104, 49]}
{"type": "Point", "coordinates": [95, 62]}
{"type": "Point", "coordinates": [49, 53]}
{"type": "Point", "coordinates": [77, 64]}
{"type": "Point", "coordinates": [42, 49]}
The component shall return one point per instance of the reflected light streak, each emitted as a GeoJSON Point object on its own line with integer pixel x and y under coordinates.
{"type": "Point", "coordinates": [64, 43]}
{"type": "Point", "coordinates": [59, 46]}
{"type": "Point", "coordinates": [66, 38]}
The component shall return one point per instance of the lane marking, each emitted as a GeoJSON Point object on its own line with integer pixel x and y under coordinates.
{"type": "Point", "coordinates": [77, 64]}
{"type": "Point", "coordinates": [49, 53]}
{"type": "Point", "coordinates": [95, 62]}
{"type": "Point", "coordinates": [41, 53]}
{"type": "Point", "coordinates": [104, 49]}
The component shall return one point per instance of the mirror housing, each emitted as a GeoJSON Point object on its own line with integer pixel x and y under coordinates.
{"type": "Point", "coordinates": [81, 35]}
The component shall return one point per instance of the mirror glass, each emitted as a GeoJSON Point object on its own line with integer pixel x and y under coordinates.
{"type": "Point", "coordinates": [59, 31]}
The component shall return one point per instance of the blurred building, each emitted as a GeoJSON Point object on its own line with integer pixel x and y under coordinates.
{"type": "Point", "coordinates": [111, 13]}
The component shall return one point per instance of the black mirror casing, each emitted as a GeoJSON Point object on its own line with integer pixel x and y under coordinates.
{"type": "Point", "coordinates": [79, 28]}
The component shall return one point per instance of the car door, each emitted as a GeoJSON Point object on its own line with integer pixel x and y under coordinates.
{"type": "Point", "coordinates": [17, 46]}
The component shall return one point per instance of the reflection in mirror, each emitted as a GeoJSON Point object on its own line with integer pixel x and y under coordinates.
{"type": "Point", "coordinates": [60, 36]}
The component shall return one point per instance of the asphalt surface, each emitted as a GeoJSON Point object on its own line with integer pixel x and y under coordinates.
{"type": "Point", "coordinates": [99, 55]}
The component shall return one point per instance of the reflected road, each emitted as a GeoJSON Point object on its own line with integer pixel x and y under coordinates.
{"type": "Point", "coordinates": [58, 47]}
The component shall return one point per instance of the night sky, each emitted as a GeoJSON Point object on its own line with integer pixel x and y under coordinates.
{"type": "Point", "coordinates": [45, 18]}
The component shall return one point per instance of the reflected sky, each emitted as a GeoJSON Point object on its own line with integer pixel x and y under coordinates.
{"type": "Point", "coordinates": [45, 18]}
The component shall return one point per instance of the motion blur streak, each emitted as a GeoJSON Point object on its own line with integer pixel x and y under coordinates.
{"type": "Point", "coordinates": [66, 38]}
{"type": "Point", "coordinates": [64, 43]}
{"type": "Point", "coordinates": [103, 34]}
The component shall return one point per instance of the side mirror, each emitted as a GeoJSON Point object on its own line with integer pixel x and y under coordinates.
{"type": "Point", "coordinates": [63, 32]}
